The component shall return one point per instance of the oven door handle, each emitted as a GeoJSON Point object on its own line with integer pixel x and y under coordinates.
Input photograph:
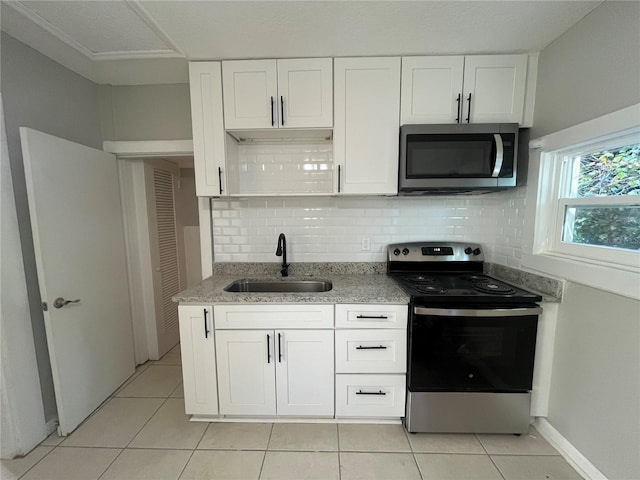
{"type": "Point", "coordinates": [493, 312]}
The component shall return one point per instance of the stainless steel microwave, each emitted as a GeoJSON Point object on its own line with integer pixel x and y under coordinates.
{"type": "Point", "coordinates": [457, 158]}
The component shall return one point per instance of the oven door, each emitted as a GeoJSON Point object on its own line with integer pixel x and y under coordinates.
{"type": "Point", "coordinates": [472, 350]}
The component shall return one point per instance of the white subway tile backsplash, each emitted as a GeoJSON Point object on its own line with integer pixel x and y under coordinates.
{"type": "Point", "coordinates": [330, 229]}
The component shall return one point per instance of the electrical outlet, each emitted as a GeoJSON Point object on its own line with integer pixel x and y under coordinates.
{"type": "Point", "coordinates": [366, 244]}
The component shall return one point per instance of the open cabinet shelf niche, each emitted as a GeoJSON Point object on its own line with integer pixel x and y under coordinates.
{"type": "Point", "coordinates": [301, 164]}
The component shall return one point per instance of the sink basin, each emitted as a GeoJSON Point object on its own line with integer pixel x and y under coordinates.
{"type": "Point", "coordinates": [279, 286]}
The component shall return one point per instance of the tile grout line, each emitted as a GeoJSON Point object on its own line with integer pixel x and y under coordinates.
{"type": "Point", "coordinates": [488, 455]}
{"type": "Point", "coordinates": [43, 457]}
{"type": "Point", "coordinates": [339, 453]}
{"type": "Point", "coordinates": [264, 456]}
{"type": "Point", "coordinates": [413, 453]}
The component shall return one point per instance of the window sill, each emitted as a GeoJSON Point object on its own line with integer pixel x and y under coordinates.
{"type": "Point", "coordinates": [620, 280]}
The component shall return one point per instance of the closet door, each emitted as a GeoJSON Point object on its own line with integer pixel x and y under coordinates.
{"type": "Point", "coordinates": [161, 181]}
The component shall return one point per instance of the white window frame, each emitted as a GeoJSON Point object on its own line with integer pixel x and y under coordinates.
{"type": "Point", "coordinates": [612, 269]}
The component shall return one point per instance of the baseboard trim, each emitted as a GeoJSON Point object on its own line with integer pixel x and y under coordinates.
{"type": "Point", "coordinates": [570, 453]}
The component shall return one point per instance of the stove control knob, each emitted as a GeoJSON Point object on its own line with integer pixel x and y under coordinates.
{"type": "Point", "coordinates": [477, 251]}
{"type": "Point", "coordinates": [396, 252]}
{"type": "Point", "coordinates": [405, 251]}
{"type": "Point", "coordinates": [468, 250]}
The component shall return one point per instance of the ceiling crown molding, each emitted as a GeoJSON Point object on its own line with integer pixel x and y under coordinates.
{"type": "Point", "coordinates": [172, 52]}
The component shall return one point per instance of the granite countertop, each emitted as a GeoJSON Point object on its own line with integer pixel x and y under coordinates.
{"type": "Point", "coordinates": [347, 288]}
{"type": "Point", "coordinates": [353, 282]}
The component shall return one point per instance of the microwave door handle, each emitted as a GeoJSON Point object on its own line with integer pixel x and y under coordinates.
{"type": "Point", "coordinates": [499, 155]}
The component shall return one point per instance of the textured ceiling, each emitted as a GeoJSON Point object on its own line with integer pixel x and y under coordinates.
{"type": "Point", "coordinates": [150, 41]}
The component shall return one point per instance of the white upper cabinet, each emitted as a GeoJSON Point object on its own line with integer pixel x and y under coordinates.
{"type": "Point", "coordinates": [205, 84]}
{"type": "Point", "coordinates": [367, 117]}
{"type": "Point", "coordinates": [494, 88]}
{"type": "Point", "coordinates": [431, 89]}
{"type": "Point", "coordinates": [471, 89]}
{"type": "Point", "coordinates": [293, 93]}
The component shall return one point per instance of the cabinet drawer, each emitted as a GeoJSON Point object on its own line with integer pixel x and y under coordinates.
{"type": "Point", "coordinates": [261, 316]}
{"type": "Point", "coordinates": [371, 351]}
{"type": "Point", "coordinates": [370, 395]}
{"type": "Point", "coordinates": [371, 316]}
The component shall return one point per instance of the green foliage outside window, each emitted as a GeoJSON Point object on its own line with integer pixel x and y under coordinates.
{"type": "Point", "coordinates": [609, 173]}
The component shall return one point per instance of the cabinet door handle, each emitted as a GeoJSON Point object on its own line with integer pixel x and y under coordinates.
{"type": "Point", "coordinates": [268, 349]}
{"type": "Point", "coordinates": [380, 392]}
{"type": "Point", "coordinates": [458, 108]}
{"type": "Point", "coordinates": [469, 108]}
{"type": "Point", "coordinates": [220, 178]}
{"type": "Point", "coordinates": [379, 347]}
{"type": "Point", "coordinates": [206, 330]}
{"type": "Point", "coordinates": [282, 109]}
{"type": "Point", "coordinates": [279, 349]}
{"type": "Point", "coordinates": [273, 122]}
{"type": "Point", "coordinates": [338, 178]}
{"type": "Point", "coordinates": [376, 317]}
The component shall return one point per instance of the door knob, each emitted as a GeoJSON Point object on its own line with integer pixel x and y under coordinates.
{"type": "Point", "coordinates": [61, 302]}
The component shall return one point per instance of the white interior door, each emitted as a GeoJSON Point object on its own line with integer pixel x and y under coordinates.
{"type": "Point", "coordinates": [161, 182]}
{"type": "Point", "coordinates": [78, 235]}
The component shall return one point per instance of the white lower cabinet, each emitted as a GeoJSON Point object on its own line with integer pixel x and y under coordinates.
{"type": "Point", "coordinates": [370, 395]}
{"type": "Point", "coordinates": [198, 353]}
{"type": "Point", "coordinates": [275, 372]}
{"type": "Point", "coordinates": [371, 360]}
{"type": "Point", "coordinates": [288, 360]}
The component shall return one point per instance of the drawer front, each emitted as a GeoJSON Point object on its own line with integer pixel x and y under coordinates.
{"type": "Point", "coordinates": [261, 316]}
{"type": "Point", "coordinates": [370, 395]}
{"type": "Point", "coordinates": [371, 316]}
{"type": "Point", "coordinates": [371, 351]}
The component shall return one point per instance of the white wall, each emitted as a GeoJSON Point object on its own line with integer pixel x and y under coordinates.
{"type": "Point", "coordinates": [146, 112]}
{"type": "Point", "coordinates": [595, 388]}
{"type": "Point", "coordinates": [41, 94]}
{"type": "Point", "coordinates": [593, 69]}
{"type": "Point", "coordinates": [331, 229]}
{"type": "Point", "coordinates": [22, 419]}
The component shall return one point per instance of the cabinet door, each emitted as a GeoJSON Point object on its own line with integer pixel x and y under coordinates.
{"type": "Point", "coordinates": [250, 94]}
{"type": "Point", "coordinates": [497, 84]}
{"type": "Point", "coordinates": [197, 347]}
{"type": "Point", "coordinates": [305, 88]}
{"type": "Point", "coordinates": [367, 111]}
{"type": "Point", "coordinates": [246, 372]}
{"type": "Point", "coordinates": [431, 89]}
{"type": "Point", "coordinates": [305, 372]}
{"type": "Point", "coordinates": [205, 84]}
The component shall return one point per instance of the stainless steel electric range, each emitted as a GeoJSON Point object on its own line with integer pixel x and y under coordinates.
{"type": "Point", "coordinates": [471, 341]}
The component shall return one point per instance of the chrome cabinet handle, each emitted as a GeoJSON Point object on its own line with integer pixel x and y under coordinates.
{"type": "Point", "coordinates": [61, 302]}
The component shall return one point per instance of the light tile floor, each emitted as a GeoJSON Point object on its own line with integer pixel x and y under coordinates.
{"type": "Point", "coordinates": [141, 432]}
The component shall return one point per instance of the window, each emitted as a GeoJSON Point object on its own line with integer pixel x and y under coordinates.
{"type": "Point", "coordinates": [598, 206]}
{"type": "Point", "coordinates": [582, 221]}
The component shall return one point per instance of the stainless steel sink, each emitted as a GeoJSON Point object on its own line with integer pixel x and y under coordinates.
{"type": "Point", "coordinates": [279, 286]}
